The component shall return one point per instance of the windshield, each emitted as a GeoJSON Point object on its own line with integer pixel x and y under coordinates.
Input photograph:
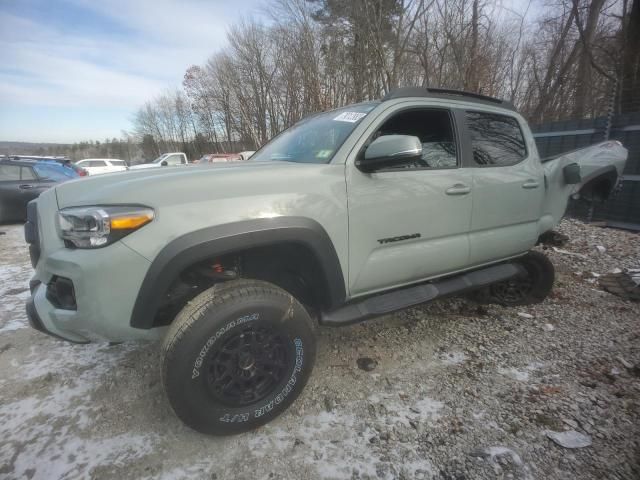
{"type": "Point", "coordinates": [314, 139]}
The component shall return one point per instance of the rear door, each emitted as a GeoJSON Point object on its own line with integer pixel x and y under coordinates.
{"type": "Point", "coordinates": [409, 223]}
{"type": "Point", "coordinates": [18, 186]}
{"type": "Point", "coordinates": [508, 187]}
{"type": "Point", "coordinates": [117, 165]}
{"type": "Point", "coordinates": [30, 186]}
{"type": "Point", "coordinates": [10, 193]}
{"type": "Point", "coordinates": [100, 166]}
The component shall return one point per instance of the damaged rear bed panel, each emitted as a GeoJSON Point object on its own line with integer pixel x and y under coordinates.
{"type": "Point", "coordinates": [600, 168]}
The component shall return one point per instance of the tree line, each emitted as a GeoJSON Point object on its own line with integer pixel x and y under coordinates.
{"type": "Point", "coordinates": [555, 60]}
{"type": "Point", "coordinates": [127, 148]}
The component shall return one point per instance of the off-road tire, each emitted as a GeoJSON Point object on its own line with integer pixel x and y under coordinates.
{"type": "Point", "coordinates": [528, 289]}
{"type": "Point", "coordinates": [237, 356]}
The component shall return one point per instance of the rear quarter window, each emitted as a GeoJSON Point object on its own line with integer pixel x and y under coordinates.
{"type": "Point", "coordinates": [497, 140]}
{"type": "Point", "coordinates": [174, 160]}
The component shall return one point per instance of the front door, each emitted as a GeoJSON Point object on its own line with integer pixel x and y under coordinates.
{"type": "Point", "coordinates": [410, 223]}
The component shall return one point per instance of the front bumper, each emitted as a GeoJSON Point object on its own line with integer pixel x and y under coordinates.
{"type": "Point", "coordinates": [36, 322]}
{"type": "Point", "coordinates": [106, 282]}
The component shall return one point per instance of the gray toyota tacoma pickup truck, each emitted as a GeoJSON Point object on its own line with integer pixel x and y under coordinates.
{"type": "Point", "coordinates": [347, 215]}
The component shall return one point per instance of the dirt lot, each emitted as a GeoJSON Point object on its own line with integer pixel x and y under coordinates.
{"type": "Point", "coordinates": [458, 391]}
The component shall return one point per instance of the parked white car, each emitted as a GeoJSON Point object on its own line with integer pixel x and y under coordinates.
{"type": "Point", "coordinates": [164, 160]}
{"type": "Point", "coordinates": [95, 166]}
{"type": "Point", "coordinates": [246, 154]}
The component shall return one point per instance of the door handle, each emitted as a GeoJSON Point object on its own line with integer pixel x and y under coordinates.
{"type": "Point", "coordinates": [26, 187]}
{"type": "Point", "coordinates": [458, 189]}
{"type": "Point", "coordinates": [530, 184]}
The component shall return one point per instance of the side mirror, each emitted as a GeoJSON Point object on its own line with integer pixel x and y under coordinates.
{"type": "Point", "coordinates": [164, 163]}
{"type": "Point", "coordinates": [390, 151]}
{"type": "Point", "coordinates": [572, 174]}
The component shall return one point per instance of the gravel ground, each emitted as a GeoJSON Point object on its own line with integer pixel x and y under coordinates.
{"type": "Point", "coordinates": [457, 391]}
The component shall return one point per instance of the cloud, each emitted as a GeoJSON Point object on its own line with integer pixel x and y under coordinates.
{"type": "Point", "coordinates": [194, 24]}
{"type": "Point", "coordinates": [126, 53]}
{"type": "Point", "coordinates": [65, 69]}
{"type": "Point", "coordinates": [53, 79]}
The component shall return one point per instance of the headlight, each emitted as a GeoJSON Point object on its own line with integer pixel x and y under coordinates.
{"type": "Point", "coordinates": [99, 226]}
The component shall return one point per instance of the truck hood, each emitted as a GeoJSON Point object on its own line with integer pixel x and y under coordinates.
{"type": "Point", "coordinates": [156, 187]}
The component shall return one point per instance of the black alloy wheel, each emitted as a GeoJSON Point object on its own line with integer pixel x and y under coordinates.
{"type": "Point", "coordinates": [237, 356]}
{"type": "Point", "coordinates": [533, 286]}
{"type": "Point", "coordinates": [248, 366]}
{"type": "Point", "coordinates": [512, 291]}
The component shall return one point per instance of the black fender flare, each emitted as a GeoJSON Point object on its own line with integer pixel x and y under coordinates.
{"type": "Point", "coordinates": [199, 245]}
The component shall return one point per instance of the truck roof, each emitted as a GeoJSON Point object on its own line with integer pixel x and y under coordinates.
{"type": "Point", "coordinates": [448, 94]}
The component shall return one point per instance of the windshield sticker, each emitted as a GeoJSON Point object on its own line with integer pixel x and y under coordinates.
{"type": "Point", "coordinates": [350, 117]}
{"type": "Point", "coordinates": [324, 153]}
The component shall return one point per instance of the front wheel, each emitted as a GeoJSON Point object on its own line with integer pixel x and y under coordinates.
{"type": "Point", "coordinates": [237, 356]}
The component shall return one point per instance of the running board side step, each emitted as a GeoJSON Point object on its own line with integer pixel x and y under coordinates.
{"type": "Point", "coordinates": [414, 295]}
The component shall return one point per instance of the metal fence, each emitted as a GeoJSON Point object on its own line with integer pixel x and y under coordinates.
{"type": "Point", "coordinates": [623, 209]}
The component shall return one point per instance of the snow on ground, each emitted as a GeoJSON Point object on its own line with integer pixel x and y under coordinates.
{"type": "Point", "coordinates": [14, 280]}
{"type": "Point", "coordinates": [521, 375]}
{"type": "Point", "coordinates": [452, 358]}
{"type": "Point", "coordinates": [458, 392]}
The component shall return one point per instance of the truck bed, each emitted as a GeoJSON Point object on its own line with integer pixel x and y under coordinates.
{"type": "Point", "coordinates": [601, 166]}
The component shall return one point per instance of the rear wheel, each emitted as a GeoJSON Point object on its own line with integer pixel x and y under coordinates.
{"type": "Point", "coordinates": [237, 356]}
{"type": "Point", "coordinates": [531, 287]}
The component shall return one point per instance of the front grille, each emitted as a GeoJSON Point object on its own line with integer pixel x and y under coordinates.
{"type": "Point", "coordinates": [31, 234]}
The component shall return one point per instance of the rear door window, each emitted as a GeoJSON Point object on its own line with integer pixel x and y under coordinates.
{"type": "Point", "coordinates": [27, 174]}
{"type": "Point", "coordinates": [496, 139]}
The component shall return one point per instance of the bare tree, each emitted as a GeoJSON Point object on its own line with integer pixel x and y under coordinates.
{"type": "Point", "coordinates": [316, 55]}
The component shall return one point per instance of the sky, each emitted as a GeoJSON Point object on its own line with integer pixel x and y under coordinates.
{"type": "Point", "coordinates": [73, 70]}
